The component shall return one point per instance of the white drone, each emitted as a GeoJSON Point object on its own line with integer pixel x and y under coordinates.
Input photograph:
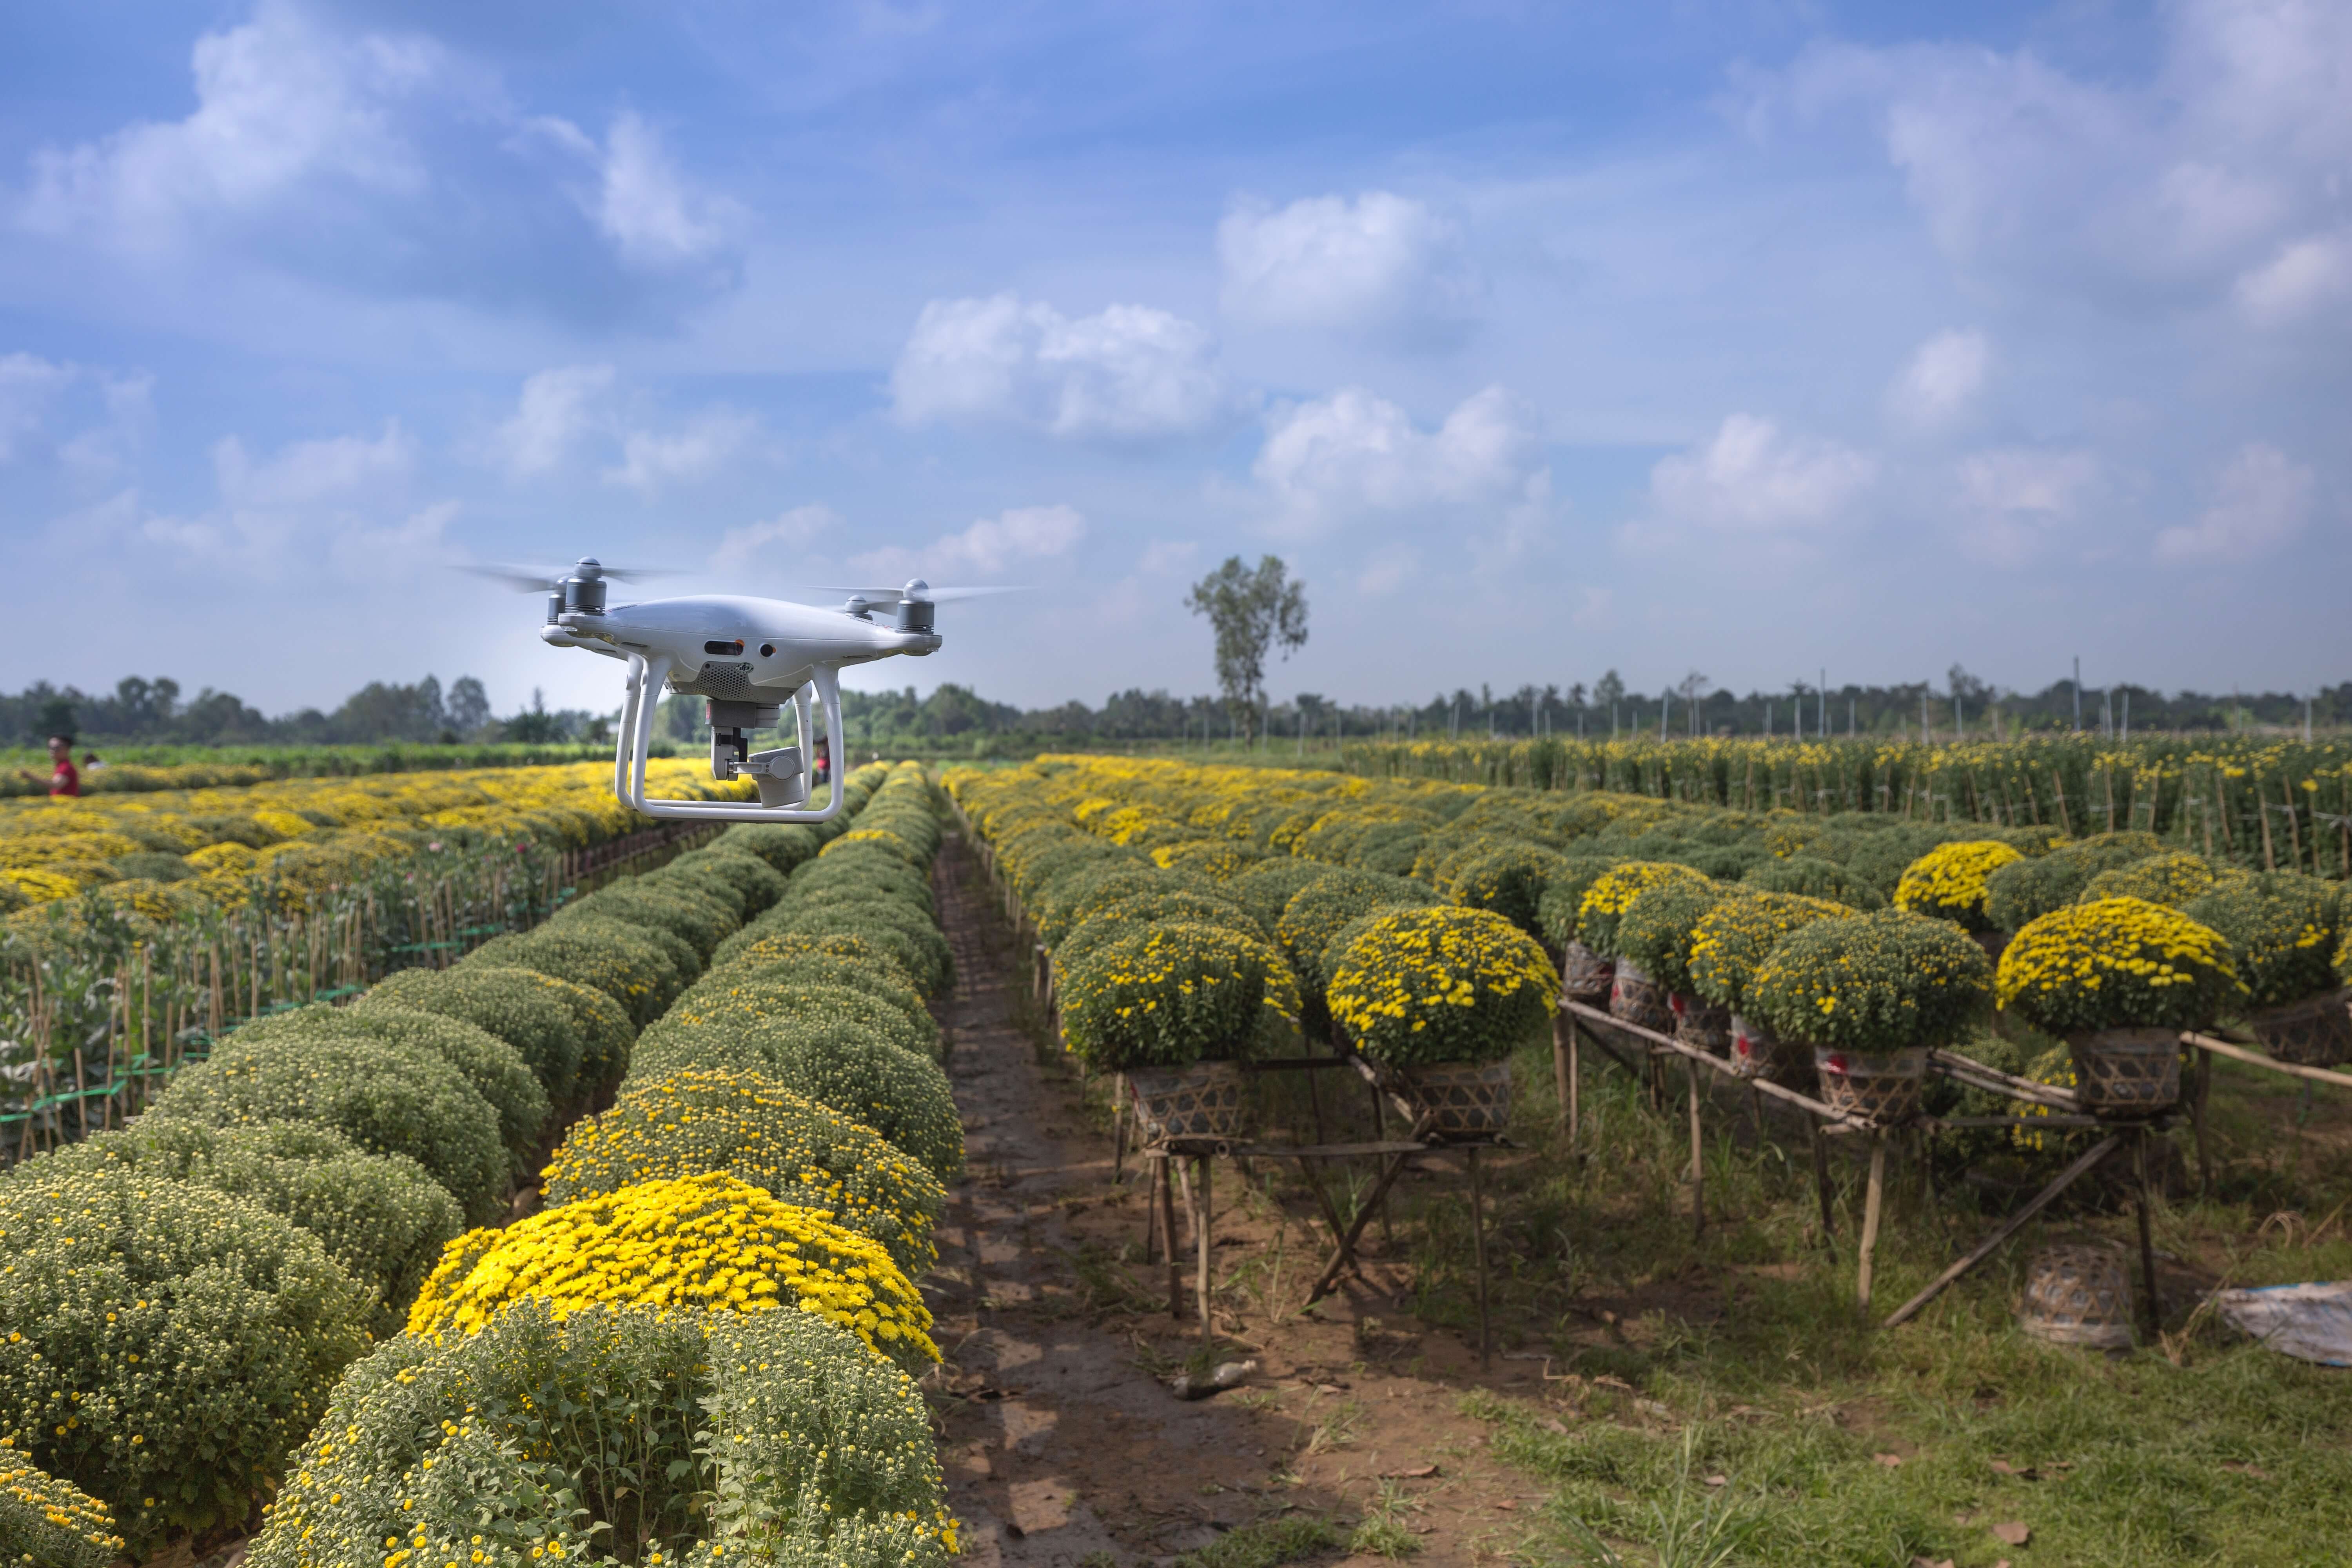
{"type": "Point", "coordinates": [749, 658]}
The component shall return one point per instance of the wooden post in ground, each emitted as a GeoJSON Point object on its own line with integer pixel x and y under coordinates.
{"type": "Point", "coordinates": [1200, 1245]}
{"type": "Point", "coordinates": [1873, 1202]}
{"type": "Point", "coordinates": [1821, 1182]}
{"type": "Point", "coordinates": [1478, 1248]}
{"type": "Point", "coordinates": [2153, 1314]}
{"type": "Point", "coordinates": [1151, 1210]}
{"type": "Point", "coordinates": [1168, 1234]}
{"type": "Point", "coordinates": [1562, 1028]}
{"type": "Point", "coordinates": [2198, 1092]}
{"type": "Point", "coordinates": [1117, 1128]}
{"type": "Point", "coordinates": [1698, 1155]}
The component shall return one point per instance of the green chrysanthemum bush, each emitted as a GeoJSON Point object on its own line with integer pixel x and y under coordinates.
{"type": "Point", "coordinates": [783, 845]}
{"type": "Point", "coordinates": [704, 1240]}
{"type": "Point", "coordinates": [1659, 927]}
{"type": "Point", "coordinates": [527, 1010]}
{"type": "Point", "coordinates": [162, 1345]}
{"type": "Point", "coordinates": [904, 931]}
{"type": "Point", "coordinates": [767, 949]}
{"type": "Point", "coordinates": [2171, 878]}
{"type": "Point", "coordinates": [679, 1439]}
{"type": "Point", "coordinates": [494, 1068]}
{"type": "Point", "coordinates": [832, 1060]}
{"type": "Point", "coordinates": [379, 1215]}
{"type": "Point", "coordinates": [736, 997]}
{"type": "Point", "coordinates": [860, 871]}
{"type": "Point", "coordinates": [388, 1099]}
{"type": "Point", "coordinates": [1443, 985]}
{"type": "Point", "coordinates": [683, 911]}
{"type": "Point", "coordinates": [1217, 860]}
{"type": "Point", "coordinates": [755, 881]}
{"type": "Point", "coordinates": [2116, 963]}
{"type": "Point", "coordinates": [1318, 913]}
{"type": "Point", "coordinates": [2025, 890]}
{"type": "Point", "coordinates": [746, 1125]}
{"type": "Point", "coordinates": [1873, 984]}
{"type": "Point", "coordinates": [1733, 939]}
{"type": "Point", "coordinates": [624, 962]}
{"type": "Point", "coordinates": [1814, 877]}
{"type": "Point", "coordinates": [1610, 894]}
{"type": "Point", "coordinates": [1141, 910]}
{"type": "Point", "coordinates": [1509, 879]}
{"type": "Point", "coordinates": [1266, 889]}
{"type": "Point", "coordinates": [1072, 901]}
{"type": "Point", "coordinates": [1169, 995]}
{"type": "Point", "coordinates": [1562, 908]}
{"type": "Point", "coordinates": [881, 979]}
{"type": "Point", "coordinates": [1949, 881]}
{"type": "Point", "coordinates": [48, 1523]}
{"type": "Point", "coordinates": [2281, 928]}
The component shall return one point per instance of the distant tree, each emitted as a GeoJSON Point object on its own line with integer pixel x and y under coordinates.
{"type": "Point", "coordinates": [1251, 611]}
{"type": "Point", "coordinates": [535, 725]}
{"type": "Point", "coordinates": [1609, 690]}
{"type": "Point", "coordinates": [57, 717]}
{"type": "Point", "coordinates": [469, 707]}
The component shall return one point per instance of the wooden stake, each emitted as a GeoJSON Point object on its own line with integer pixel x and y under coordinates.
{"type": "Point", "coordinates": [2197, 1094]}
{"type": "Point", "coordinates": [1698, 1155]}
{"type": "Point", "coordinates": [1560, 1029]}
{"type": "Point", "coordinates": [2154, 1317]}
{"type": "Point", "coordinates": [1201, 1242]}
{"type": "Point", "coordinates": [1821, 1183]}
{"type": "Point", "coordinates": [1478, 1248]}
{"type": "Point", "coordinates": [1872, 1204]}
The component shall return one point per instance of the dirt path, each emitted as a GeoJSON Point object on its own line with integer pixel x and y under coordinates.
{"type": "Point", "coordinates": [1061, 1445]}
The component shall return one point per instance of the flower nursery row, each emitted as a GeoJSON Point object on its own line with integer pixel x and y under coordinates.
{"type": "Point", "coordinates": [139, 769]}
{"type": "Point", "coordinates": [1196, 914]}
{"type": "Point", "coordinates": [261, 1303]}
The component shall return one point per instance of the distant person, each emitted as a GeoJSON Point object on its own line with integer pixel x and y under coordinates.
{"type": "Point", "coordinates": [823, 772]}
{"type": "Point", "coordinates": [66, 780]}
{"type": "Point", "coordinates": [91, 762]}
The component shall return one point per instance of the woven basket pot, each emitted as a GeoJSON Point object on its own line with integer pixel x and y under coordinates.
{"type": "Point", "coordinates": [1758, 1052]}
{"type": "Point", "coordinates": [1875, 1086]}
{"type": "Point", "coordinates": [1701, 1026]}
{"type": "Point", "coordinates": [2077, 1295]}
{"type": "Point", "coordinates": [1585, 975]}
{"type": "Point", "coordinates": [2316, 1032]}
{"type": "Point", "coordinates": [1203, 1101]}
{"type": "Point", "coordinates": [2126, 1072]}
{"type": "Point", "coordinates": [1639, 1000]}
{"type": "Point", "coordinates": [1464, 1097]}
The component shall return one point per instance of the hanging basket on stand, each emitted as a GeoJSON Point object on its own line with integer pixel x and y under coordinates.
{"type": "Point", "coordinates": [1758, 1052]}
{"type": "Point", "coordinates": [2316, 1032]}
{"type": "Point", "coordinates": [1203, 1101]}
{"type": "Point", "coordinates": [2126, 1072]}
{"type": "Point", "coordinates": [1869, 1085]}
{"type": "Point", "coordinates": [1463, 1098]}
{"type": "Point", "coordinates": [2077, 1295]}
{"type": "Point", "coordinates": [1585, 977]}
{"type": "Point", "coordinates": [1636, 999]}
{"type": "Point", "coordinates": [1702, 1026]}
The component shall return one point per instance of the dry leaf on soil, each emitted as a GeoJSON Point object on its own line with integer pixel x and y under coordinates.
{"type": "Point", "coordinates": [2015, 1532]}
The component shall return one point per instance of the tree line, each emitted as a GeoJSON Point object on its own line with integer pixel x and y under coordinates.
{"type": "Point", "coordinates": [140, 711]}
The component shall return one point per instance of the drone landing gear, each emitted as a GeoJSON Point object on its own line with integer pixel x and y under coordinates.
{"type": "Point", "coordinates": [782, 776]}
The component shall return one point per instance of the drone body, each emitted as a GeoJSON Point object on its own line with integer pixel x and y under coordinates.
{"type": "Point", "coordinates": [749, 658]}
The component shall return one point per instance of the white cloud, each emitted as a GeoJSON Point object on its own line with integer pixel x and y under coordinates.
{"type": "Point", "coordinates": [1939, 384]}
{"type": "Point", "coordinates": [278, 102]}
{"type": "Point", "coordinates": [1354, 453]}
{"type": "Point", "coordinates": [1752, 479]}
{"type": "Point", "coordinates": [27, 384]}
{"type": "Point", "coordinates": [2263, 501]}
{"type": "Point", "coordinates": [650, 460]}
{"type": "Point", "coordinates": [307, 473]}
{"type": "Point", "coordinates": [1381, 263]}
{"type": "Point", "coordinates": [557, 407]}
{"type": "Point", "coordinates": [989, 548]}
{"type": "Point", "coordinates": [1164, 555]}
{"type": "Point", "coordinates": [795, 530]}
{"type": "Point", "coordinates": [1129, 373]}
{"type": "Point", "coordinates": [1389, 569]}
{"type": "Point", "coordinates": [2015, 498]}
{"type": "Point", "coordinates": [653, 216]}
{"type": "Point", "coordinates": [2304, 277]}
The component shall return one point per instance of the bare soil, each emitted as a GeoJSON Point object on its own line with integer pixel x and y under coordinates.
{"type": "Point", "coordinates": [1063, 1442]}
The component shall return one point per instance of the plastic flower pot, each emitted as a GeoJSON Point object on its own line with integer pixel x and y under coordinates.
{"type": "Point", "coordinates": [1639, 1000]}
{"type": "Point", "coordinates": [1701, 1024]}
{"type": "Point", "coordinates": [1464, 1097]}
{"type": "Point", "coordinates": [2126, 1072]}
{"type": "Point", "coordinates": [1203, 1101]}
{"type": "Point", "coordinates": [2316, 1032]}
{"type": "Point", "coordinates": [1872, 1086]}
{"type": "Point", "coordinates": [1586, 976]}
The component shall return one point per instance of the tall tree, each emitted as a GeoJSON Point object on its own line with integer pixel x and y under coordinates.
{"type": "Point", "coordinates": [1250, 611]}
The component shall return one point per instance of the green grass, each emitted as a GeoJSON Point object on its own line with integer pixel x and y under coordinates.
{"type": "Point", "coordinates": [1268, 1543]}
{"type": "Point", "coordinates": [1773, 1385]}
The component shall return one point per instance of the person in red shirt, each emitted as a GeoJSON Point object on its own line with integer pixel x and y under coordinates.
{"type": "Point", "coordinates": [67, 779]}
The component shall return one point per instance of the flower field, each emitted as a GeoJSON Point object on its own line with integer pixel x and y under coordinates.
{"type": "Point", "coordinates": [260, 1306]}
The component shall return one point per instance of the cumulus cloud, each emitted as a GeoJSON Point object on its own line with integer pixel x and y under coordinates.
{"type": "Point", "coordinates": [1753, 479]}
{"type": "Point", "coordinates": [281, 102]}
{"type": "Point", "coordinates": [27, 386]}
{"type": "Point", "coordinates": [795, 530]}
{"type": "Point", "coordinates": [655, 216]}
{"type": "Point", "coordinates": [2163, 189]}
{"type": "Point", "coordinates": [1129, 373]}
{"type": "Point", "coordinates": [1162, 556]}
{"type": "Point", "coordinates": [1380, 263]}
{"type": "Point", "coordinates": [651, 459]}
{"type": "Point", "coordinates": [1387, 570]}
{"type": "Point", "coordinates": [989, 548]}
{"type": "Point", "coordinates": [1353, 454]}
{"type": "Point", "coordinates": [2262, 500]}
{"type": "Point", "coordinates": [2015, 498]}
{"type": "Point", "coordinates": [2305, 277]}
{"type": "Point", "coordinates": [557, 407]}
{"type": "Point", "coordinates": [1940, 382]}
{"type": "Point", "coordinates": [306, 473]}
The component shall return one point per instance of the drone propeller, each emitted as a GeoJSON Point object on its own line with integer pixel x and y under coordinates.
{"type": "Point", "coordinates": [540, 579]}
{"type": "Point", "coordinates": [916, 590]}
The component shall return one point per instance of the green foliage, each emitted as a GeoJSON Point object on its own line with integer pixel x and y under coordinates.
{"type": "Point", "coordinates": [527, 1010]}
{"type": "Point", "coordinates": [1561, 907]}
{"type": "Point", "coordinates": [387, 1098]}
{"type": "Point", "coordinates": [626, 963]}
{"type": "Point", "coordinates": [1266, 889]}
{"type": "Point", "coordinates": [1733, 939]}
{"type": "Point", "coordinates": [1613, 892]}
{"type": "Point", "coordinates": [166, 1344]}
{"type": "Point", "coordinates": [877, 975]}
{"type": "Point", "coordinates": [1072, 901]}
{"type": "Point", "coordinates": [682, 910]}
{"type": "Point", "coordinates": [1815, 878]}
{"type": "Point", "coordinates": [782, 844]}
{"type": "Point", "coordinates": [1509, 879]}
{"type": "Point", "coordinates": [1875, 983]}
{"type": "Point", "coordinates": [757, 883]}
{"type": "Point", "coordinates": [734, 997]}
{"type": "Point", "coordinates": [905, 932]}
{"type": "Point", "coordinates": [1657, 928]}
{"type": "Point", "coordinates": [2283, 930]}
{"type": "Point", "coordinates": [48, 1523]}
{"type": "Point", "coordinates": [618, 1432]}
{"type": "Point", "coordinates": [1319, 912]}
{"type": "Point", "coordinates": [2024, 891]}
{"type": "Point", "coordinates": [1173, 994]}
{"type": "Point", "coordinates": [2171, 878]}
{"type": "Point", "coordinates": [1443, 985]}
{"type": "Point", "coordinates": [381, 1216]}
{"type": "Point", "coordinates": [494, 1068]}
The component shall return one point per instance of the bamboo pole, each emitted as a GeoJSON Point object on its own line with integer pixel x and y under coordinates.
{"type": "Point", "coordinates": [1872, 1203]}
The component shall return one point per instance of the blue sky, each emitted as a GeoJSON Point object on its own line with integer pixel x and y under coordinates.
{"type": "Point", "coordinates": [1746, 339]}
